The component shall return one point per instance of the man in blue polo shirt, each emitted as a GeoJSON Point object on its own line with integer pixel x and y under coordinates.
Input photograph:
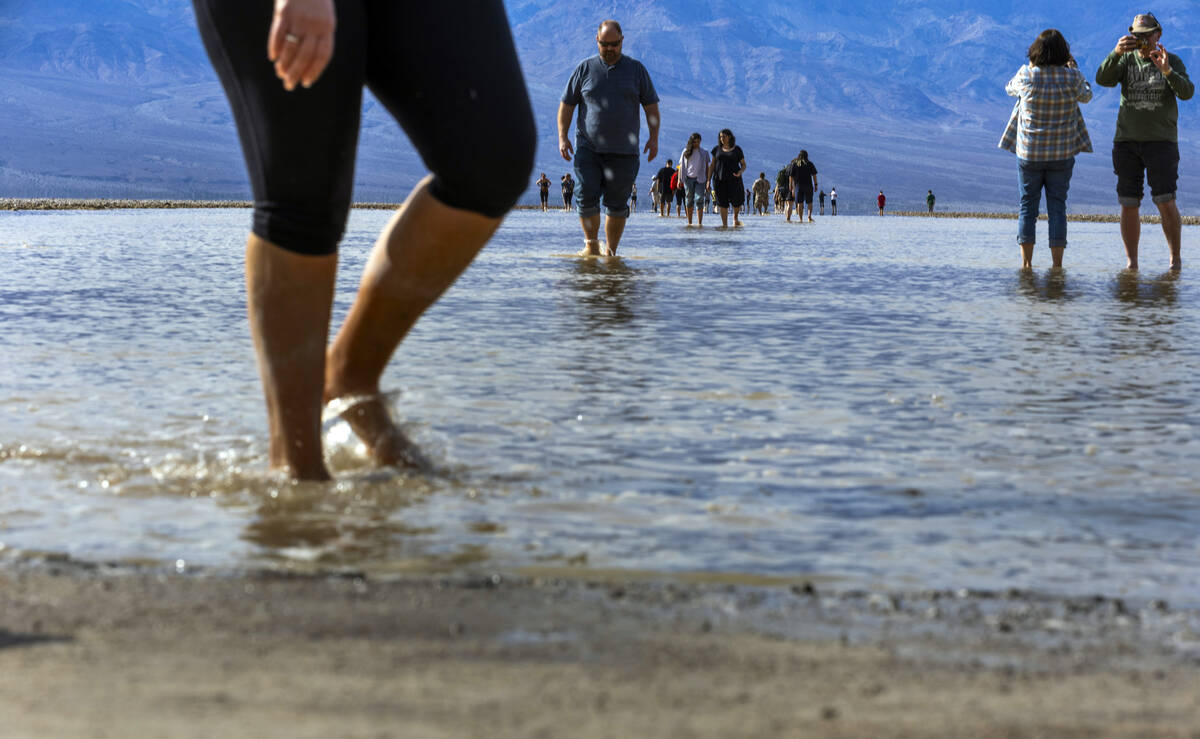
{"type": "Point", "coordinates": [607, 89]}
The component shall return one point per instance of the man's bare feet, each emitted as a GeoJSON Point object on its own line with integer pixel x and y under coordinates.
{"type": "Point", "coordinates": [591, 248]}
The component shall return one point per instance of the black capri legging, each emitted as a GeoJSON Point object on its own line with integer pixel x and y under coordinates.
{"type": "Point", "coordinates": [453, 84]}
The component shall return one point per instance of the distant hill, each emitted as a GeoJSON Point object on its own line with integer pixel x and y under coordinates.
{"type": "Point", "coordinates": [115, 98]}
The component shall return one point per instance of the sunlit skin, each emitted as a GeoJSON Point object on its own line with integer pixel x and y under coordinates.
{"type": "Point", "coordinates": [1131, 221]}
{"type": "Point", "coordinates": [608, 41]}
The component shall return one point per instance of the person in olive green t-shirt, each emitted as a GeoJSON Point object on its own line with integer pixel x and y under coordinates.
{"type": "Point", "coordinates": [1147, 135]}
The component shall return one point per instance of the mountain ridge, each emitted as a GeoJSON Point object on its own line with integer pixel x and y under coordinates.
{"type": "Point", "coordinates": [116, 97]}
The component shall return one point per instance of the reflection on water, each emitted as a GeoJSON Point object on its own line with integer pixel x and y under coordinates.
{"type": "Point", "coordinates": [1130, 286]}
{"type": "Point", "coordinates": [784, 400]}
{"type": "Point", "coordinates": [608, 292]}
{"type": "Point", "coordinates": [1051, 286]}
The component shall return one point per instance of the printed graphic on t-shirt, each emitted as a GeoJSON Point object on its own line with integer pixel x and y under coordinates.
{"type": "Point", "coordinates": [1144, 87]}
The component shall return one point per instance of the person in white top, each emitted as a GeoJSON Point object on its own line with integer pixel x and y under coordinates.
{"type": "Point", "coordinates": [693, 167]}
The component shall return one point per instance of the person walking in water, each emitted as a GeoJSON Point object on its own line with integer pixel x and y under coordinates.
{"type": "Point", "coordinates": [930, 200]}
{"type": "Point", "coordinates": [725, 170]}
{"type": "Point", "coordinates": [568, 190]}
{"type": "Point", "coordinates": [821, 197]}
{"type": "Point", "coordinates": [543, 184]}
{"type": "Point", "coordinates": [881, 201]}
{"type": "Point", "coordinates": [762, 193]}
{"type": "Point", "coordinates": [677, 183]}
{"type": "Point", "coordinates": [607, 90]}
{"type": "Point", "coordinates": [294, 76]}
{"type": "Point", "coordinates": [633, 197]}
{"type": "Point", "coordinates": [833, 201]}
{"type": "Point", "coordinates": [665, 194]}
{"type": "Point", "coordinates": [802, 179]}
{"type": "Point", "coordinates": [693, 167]}
{"type": "Point", "coordinates": [1046, 131]}
{"type": "Point", "coordinates": [1147, 138]}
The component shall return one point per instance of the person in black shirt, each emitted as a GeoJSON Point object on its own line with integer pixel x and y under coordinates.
{"type": "Point", "coordinates": [665, 193]}
{"type": "Point", "coordinates": [725, 170]}
{"type": "Point", "coordinates": [803, 178]}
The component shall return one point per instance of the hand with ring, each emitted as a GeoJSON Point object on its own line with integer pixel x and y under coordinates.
{"type": "Point", "coordinates": [301, 40]}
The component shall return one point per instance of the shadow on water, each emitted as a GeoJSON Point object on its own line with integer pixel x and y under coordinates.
{"type": "Point", "coordinates": [608, 292]}
{"type": "Point", "coordinates": [1051, 286]}
{"type": "Point", "coordinates": [349, 522]}
{"type": "Point", "coordinates": [1131, 288]}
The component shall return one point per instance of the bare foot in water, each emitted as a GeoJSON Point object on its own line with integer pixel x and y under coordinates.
{"type": "Point", "coordinates": [591, 248]}
{"type": "Point", "coordinates": [371, 421]}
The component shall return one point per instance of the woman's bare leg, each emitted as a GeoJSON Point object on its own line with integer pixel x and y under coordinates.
{"type": "Point", "coordinates": [289, 298]}
{"type": "Point", "coordinates": [421, 252]}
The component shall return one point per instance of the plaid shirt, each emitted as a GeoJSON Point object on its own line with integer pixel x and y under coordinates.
{"type": "Point", "coordinates": [1046, 124]}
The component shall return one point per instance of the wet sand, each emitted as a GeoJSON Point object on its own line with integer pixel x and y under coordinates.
{"type": "Point", "coordinates": [90, 650]}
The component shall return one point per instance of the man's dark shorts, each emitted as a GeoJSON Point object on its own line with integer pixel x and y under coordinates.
{"type": "Point", "coordinates": [607, 176]}
{"type": "Point", "coordinates": [803, 194]}
{"type": "Point", "coordinates": [1158, 159]}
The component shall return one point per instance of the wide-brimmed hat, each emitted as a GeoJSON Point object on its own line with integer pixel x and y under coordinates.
{"type": "Point", "coordinates": [1144, 23]}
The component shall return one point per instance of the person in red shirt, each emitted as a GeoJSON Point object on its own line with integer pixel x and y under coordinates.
{"type": "Point", "coordinates": [881, 200]}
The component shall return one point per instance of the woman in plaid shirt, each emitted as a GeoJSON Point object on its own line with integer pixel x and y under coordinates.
{"type": "Point", "coordinates": [1046, 131]}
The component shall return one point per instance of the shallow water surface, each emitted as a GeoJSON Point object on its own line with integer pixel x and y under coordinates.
{"type": "Point", "coordinates": [870, 401]}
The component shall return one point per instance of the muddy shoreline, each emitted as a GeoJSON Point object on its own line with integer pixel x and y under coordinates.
{"type": "Point", "coordinates": [95, 649]}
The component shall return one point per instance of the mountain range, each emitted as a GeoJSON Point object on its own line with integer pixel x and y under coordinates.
{"type": "Point", "coordinates": [116, 98]}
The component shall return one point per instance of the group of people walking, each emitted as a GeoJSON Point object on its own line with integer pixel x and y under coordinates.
{"type": "Point", "coordinates": [703, 176]}
{"type": "Point", "coordinates": [298, 116]}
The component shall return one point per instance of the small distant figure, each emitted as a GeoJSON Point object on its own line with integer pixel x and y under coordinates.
{"type": "Point", "coordinates": [821, 197]}
{"type": "Point", "coordinates": [1147, 136]}
{"type": "Point", "coordinates": [543, 184]}
{"type": "Point", "coordinates": [929, 200]}
{"type": "Point", "coordinates": [633, 198]}
{"type": "Point", "coordinates": [665, 194]}
{"type": "Point", "coordinates": [677, 181]}
{"type": "Point", "coordinates": [1046, 131]}
{"type": "Point", "coordinates": [882, 201]}
{"type": "Point", "coordinates": [833, 201]}
{"type": "Point", "coordinates": [568, 190]}
{"type": "Point", "coordinates": [728, 164]}
{"type": "Point", "coordinates": [802, 178]}
{"type": "Point", "coordinates": [607, 89]}
{"type": "Point", "coordinates": [782, 189]}
{"type": "Point", "coordinates": [693, 165]}
{"type": "Point", "coordinates": [654, 197]}
{"type": "Point", "coordinates": [761, 190]}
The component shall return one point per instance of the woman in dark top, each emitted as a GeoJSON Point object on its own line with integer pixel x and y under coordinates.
{"type": "Point", "coordinates": [726, 170]}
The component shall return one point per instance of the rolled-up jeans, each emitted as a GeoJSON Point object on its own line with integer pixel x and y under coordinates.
{"type": "Point", "coordinates": [693, 191]}
{"type": "Point", "coordinates": [1055, 178]}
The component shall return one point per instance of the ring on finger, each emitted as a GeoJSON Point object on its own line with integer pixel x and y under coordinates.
{"type": "Point", "coordinates": [291, 38]}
